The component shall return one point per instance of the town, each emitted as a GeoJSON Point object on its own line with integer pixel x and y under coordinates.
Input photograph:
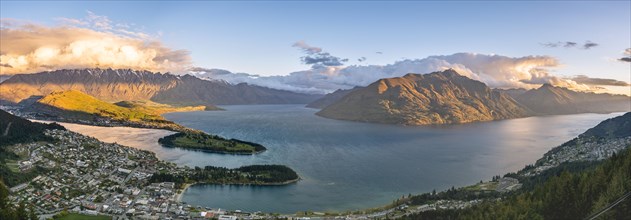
{"type": "Point", "coordinates": [580, 149]}
{"type": "Point", "coordinates": [83, 175]}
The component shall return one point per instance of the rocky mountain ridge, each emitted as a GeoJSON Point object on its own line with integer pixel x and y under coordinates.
{"type": "Point", "coordinates": [114, 85]}
{"type": "Point", "coordinates": [419, 99]}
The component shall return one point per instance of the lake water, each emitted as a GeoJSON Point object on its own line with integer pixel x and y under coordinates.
{"type": "Point", "coordinates": [351, 165]}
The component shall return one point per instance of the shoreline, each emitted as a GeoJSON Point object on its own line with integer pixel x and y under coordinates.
{"type": "Point", "coordinates": [178, 196]}
{"type": "Point", "coordinates": [48, 121]}
{"type": "Point", "coordinates": [214, 151]}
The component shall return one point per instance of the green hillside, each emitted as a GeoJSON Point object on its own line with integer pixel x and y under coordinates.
{"type": "Point", "coordinates": [81, 105]}
{"type": "Point", "coordinates": [78, 107]}
{"type": "Point", "coordinates": [74, 105]}
{"type": "Point", "coordinates": [159, 109]}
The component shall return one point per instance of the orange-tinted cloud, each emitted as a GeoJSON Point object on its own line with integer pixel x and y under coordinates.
{"type": "Point", "coordinates": [30, 48]}
{"type": "Point", "coordinates": [495, 70]}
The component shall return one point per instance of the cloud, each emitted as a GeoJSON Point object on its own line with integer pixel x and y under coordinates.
{"type": "Point", "coordinates": [566, 44]}
{"type": "Point", "coordinates": [29, 48]}
{"type": "Point", "coordinates": [628, 53]}
{"type": "Point", "coordinates": [306, 48]}
{"type": "Point", "coordinates": [570, 44]}
{"type": "Point", "coordinates": [99, 21]}
{"type": "Point", "coordinates": [72, 21]}
{"type": "Point", "coordinates": [588, 45]}
{"type": "Point", "coordinates": [323, 59]}
{"type": "Point", "coordinates": [104, 24]}
{"type": "Point", "coordinates": [495, 70]}
{"type": "Point", "coordinates": [317, 57]}
{"type": "Point", "coordinates": [361, 59]}
{"type": "Point", "coordinates": [598, 81]}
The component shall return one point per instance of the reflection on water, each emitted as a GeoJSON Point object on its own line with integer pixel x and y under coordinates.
{"type": "Point", "coordinates": [349, 165]}
{"type": "Point", "coordinates": [141, 138]}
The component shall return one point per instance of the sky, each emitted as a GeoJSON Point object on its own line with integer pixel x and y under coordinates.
{"type": "Point", "coordinates": [281, 38]}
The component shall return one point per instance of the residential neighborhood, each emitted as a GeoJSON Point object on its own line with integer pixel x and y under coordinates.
{"type": "Point", "coordinates": [83, 175]}
{"type": "Point", "coordinates": [583, 149]}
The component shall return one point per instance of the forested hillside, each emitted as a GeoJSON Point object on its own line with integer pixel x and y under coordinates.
{"type": "Point", "coordinates": [14, 129]}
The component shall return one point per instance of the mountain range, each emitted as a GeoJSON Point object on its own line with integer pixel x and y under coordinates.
{"type": "Point", "coordinates": [444, 97]}
{"type": "Point", "coordinates": [447, 98]}
{"type": "Point", "coordinates": [114, 85]}
{"type": "Point", "coordinates": [418, 99]}
{"type": "Point", "coordinates": [552, 100]}
{"type": "Point", "coordinates": [331, 98]}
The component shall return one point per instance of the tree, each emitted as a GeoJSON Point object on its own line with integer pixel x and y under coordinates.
{"type": "Point", "coordinates": [31, 213]}
{"type": "Point", "coordinates": [6, 211]}
{"type": "Point", "coordinates": [21, 211]}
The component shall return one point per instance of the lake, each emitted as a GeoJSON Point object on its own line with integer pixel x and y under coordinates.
{"type": "Point", "coordinates": [352, 165]}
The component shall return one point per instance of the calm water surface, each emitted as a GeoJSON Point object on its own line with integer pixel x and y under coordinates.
{"type": "Point", "coordinates": [350, 165]}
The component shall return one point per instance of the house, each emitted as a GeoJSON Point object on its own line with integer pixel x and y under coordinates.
{"type": "Point", "coordinates": [18, 187]}
{"type": "Point", "coordinates": [227, 217]}
{"type": "Point", "coordinates": [207, 214]}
